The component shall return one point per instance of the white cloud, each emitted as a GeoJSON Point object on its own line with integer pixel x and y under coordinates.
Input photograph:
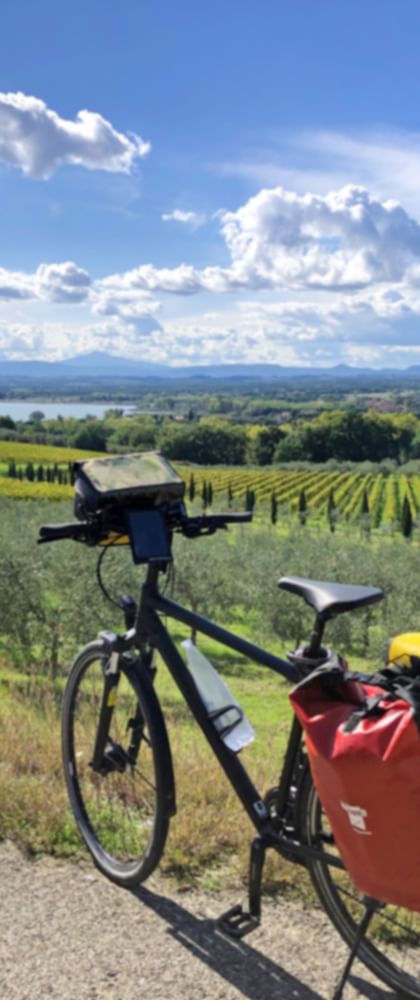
{"type": "Point", "coordinates": [346, 239]}
{"type": "Point", "coordinates": [193, 219]}
{"type": "Point", "coordinates": [34, 138]}
{"type": "Point", "coordinates": [344, 268]}
{"type": "Point", "coordinates": [375, 327]}
{"type": "Point", "coordinates": [64, 282]}
{"type": "Point", "coordinates": [15, 285]}
{"type": "Point", "coordinates": [130, 304]}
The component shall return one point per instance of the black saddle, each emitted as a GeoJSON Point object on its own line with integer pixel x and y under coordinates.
{"type": "Point", "coordinates": [329, 599]}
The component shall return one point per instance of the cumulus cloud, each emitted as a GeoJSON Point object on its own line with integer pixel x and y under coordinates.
{"type": "Point", "coordinates": [130, 304]}
{"type": "Point", "coordinates": [37, 140]}
{"type": "Point", "coordinates": [15, 285]}
{"type": "Point", "coordinates": [64, 282]}
{"type": "Point", "coordinates": [344, 269]}
{"type": "Point", "coordinates": [344, 240]}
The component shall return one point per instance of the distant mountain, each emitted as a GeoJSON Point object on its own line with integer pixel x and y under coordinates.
{"type": "Point", "coordinates": [100, 365]}
{"type": "Point", "coordinates": [95, 364]}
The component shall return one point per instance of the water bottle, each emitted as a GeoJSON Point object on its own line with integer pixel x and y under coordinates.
{"type": "Point", "coordinates": [228, 718]}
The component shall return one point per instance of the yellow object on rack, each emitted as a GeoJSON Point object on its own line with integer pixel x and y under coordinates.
{"type": "Point", "coordinates": [404, 650]}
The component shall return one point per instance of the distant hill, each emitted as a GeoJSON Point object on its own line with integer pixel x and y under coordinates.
{"type": "Point", "coordinates": [98, 364]}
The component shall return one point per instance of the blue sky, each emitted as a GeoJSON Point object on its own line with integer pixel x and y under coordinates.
{"type": "Point", "coordinates": [203, 183]}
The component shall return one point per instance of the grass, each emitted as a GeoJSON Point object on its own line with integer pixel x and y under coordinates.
{"type": "Point", "coordinates": [210, 834]}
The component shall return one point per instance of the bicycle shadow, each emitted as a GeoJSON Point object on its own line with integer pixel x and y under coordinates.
{"type": "Point", "coordinates": [244, 967]}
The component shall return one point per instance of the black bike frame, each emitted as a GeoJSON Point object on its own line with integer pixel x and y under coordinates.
{"type": "Point", "coordinates": [150, 630]}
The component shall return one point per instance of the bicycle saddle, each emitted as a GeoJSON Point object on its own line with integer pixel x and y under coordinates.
{"type": "Point", "coordinates": [331, 598]}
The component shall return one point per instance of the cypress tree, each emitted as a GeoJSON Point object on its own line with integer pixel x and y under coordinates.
{"type": "Point", "coordinates": [29, 472]}
{"type": "Point", "coordinates": [204, 495]}
{"type": "Point", "coordinates": [406, 519]}
{"type": "Point", "coordinates": [364, 512]}
{"type": "Point", "coordinates": [365, 502]}
{"type": "Point", "coordinates": [331, 511]}
{"type": "Point", "coordinates": [191, 487]}
{"type": "Point", "coordinates": [229, 495]}
{"type": "Point", "coordinates": [273, 508]}
{"type": "Point", "coordinates": [209, 494]}
{"type": "Point", "coordinates": [302, 507]}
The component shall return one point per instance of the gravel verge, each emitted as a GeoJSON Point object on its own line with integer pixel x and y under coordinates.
{"type": "Point", "coordinates": [66, 933]}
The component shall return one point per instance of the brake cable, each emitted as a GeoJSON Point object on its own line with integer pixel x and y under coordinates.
{"type": "Point", "coordinates": [99, 579]}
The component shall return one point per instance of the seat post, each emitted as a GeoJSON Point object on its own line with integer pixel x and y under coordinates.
{"type": "Point", "coordinates": [313, 650]}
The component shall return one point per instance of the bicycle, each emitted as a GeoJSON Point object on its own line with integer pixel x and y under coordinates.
{"type": "Point", "coordinates": [117, 757]}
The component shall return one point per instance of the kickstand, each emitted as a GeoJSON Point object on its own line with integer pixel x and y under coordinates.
{"type": "Point", "coordinates": [371, 907]}
{"type": "Point", "coordinates": [237, 922]}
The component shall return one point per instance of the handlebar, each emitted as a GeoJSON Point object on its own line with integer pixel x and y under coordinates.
{"type": "Point", "coordinates": [80, 531]}
{"type": "Point", "coordinates": [90, 532]}
{"type": "Point", "coordinates": [207, 524]}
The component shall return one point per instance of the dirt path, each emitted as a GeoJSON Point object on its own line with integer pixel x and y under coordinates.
{"type": "Point", "coordinates": [66, 933]}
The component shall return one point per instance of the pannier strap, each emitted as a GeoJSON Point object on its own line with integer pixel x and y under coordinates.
{"type": "Point", "coordinates": [370, 708]}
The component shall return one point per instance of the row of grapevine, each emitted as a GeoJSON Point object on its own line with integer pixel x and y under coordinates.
{"type": "Point", "coordinates": [380, 498]}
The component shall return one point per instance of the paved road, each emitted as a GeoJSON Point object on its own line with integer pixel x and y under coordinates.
{"type": "Point", "coordinates": [66, 933]}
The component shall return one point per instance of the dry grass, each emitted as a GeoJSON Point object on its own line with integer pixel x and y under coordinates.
{"type": "Point", "coordinates": [210, 835]}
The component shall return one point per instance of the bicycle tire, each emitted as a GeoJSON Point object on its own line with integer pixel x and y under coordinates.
{"type": "Point", "coordinates": [123, 815]}
{"type": "Point", "coordinates": [393, 937]}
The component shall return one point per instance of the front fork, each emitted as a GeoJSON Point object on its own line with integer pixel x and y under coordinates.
{"type": "Point", "coordinates": [119, 647]}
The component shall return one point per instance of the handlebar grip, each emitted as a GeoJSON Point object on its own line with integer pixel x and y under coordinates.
{"type": "Point", "coordinates": [56, 532]}
{"type": "Point", "coordinates": [234, 518]}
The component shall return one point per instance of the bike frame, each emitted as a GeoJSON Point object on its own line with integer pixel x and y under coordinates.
{"type": "Point", "coordinates": [149, 630]}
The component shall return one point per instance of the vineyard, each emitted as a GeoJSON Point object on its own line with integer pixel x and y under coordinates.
{"type": "Point", "coordinates": [38, 471]}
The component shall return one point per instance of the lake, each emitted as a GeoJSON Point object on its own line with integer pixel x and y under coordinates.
{"type": "Point", "coordinates": [19, 409]}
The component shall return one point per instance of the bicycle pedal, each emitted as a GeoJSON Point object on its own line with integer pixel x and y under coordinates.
{"type": "Point", "coordinates": [237, 922]}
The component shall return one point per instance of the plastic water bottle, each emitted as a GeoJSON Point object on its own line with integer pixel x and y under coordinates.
{"type": "Point", "coordinates": [234, 728]}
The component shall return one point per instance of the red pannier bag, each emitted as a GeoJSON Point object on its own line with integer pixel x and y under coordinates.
{"type": "Point", "coordinates": [363, 746]}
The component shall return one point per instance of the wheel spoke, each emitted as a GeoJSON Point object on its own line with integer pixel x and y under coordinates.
{"type": "Point", "coordinates": [118, 808]}
{"type": "Point", "coordinates": [391, 948]}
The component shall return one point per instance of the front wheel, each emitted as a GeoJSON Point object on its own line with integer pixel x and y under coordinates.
{"type": "Point", "coordinates": [391, 948]}
{"type": "Point", "coordinates": [122, 808]}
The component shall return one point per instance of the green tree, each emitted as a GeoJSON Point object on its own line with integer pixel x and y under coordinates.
{"type": "Point", "coordinates": [209, 443]}
{"type": "Point", "coordinates": [265, 444]}
{"type": "Point", "coordinates": [273, 513]}
{"type": "Point", "coordinates": [204, 494]}
{"type": "Point", "coordinates": [191, 487]}
{"type": "Point", "coordinates": [406, 519]}
{"type": "Point", "coordinates": [331, 511]}
{"type": "Point", "coordinates": [302, 507]}
{"type": "Point", "coordinates": [91, 436]}
{"type": "Point", "coordinates": [229, 495]}
{"type": "Point", "coordinates": [365, 513]}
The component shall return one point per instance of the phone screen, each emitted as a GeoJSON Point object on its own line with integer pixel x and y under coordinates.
{"type": "Point", "coordinates": [149, 536]}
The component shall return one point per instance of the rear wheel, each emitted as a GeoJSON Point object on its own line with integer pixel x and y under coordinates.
{"type": "Point", "coordinates": [123, 809]}
{"type": "Point", "coordinates": [391, 948]}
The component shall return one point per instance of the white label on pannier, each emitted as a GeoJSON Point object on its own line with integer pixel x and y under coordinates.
{"type": "Point", "coordinates": [356, 816]}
